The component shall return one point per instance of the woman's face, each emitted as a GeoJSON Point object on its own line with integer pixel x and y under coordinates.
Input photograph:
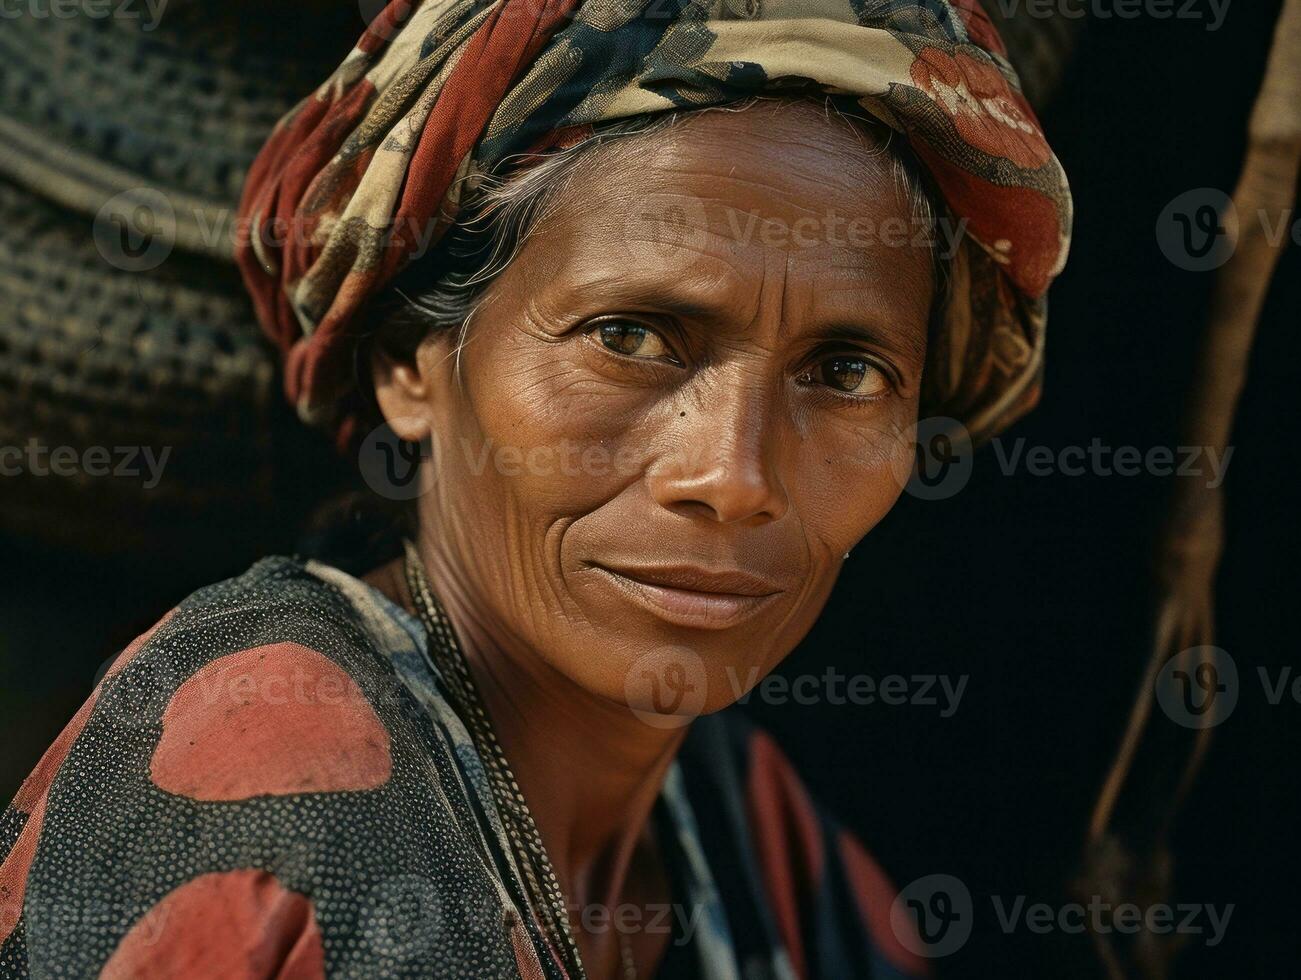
{"type": "Point", "coordinates": [681, 404]}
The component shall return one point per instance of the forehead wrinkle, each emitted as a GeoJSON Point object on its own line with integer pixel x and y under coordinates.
{"type": "Point", "coordinates": [854, 200]}
{"type": "Point", "coordinates": [818, 136]}
{"type": "Point", "coordinates": [688, 292]}
{"type": "Point", "coordinates": [783, 292]}
{"type": "Point", "coordinates": [709, 283]}
{"type": "Point", "coordinates": [866, 270]}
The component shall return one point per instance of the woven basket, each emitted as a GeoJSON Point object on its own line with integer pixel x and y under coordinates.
{"type": "Point", "coordinates": [169, 358]}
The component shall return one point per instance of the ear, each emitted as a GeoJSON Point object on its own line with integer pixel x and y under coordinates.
{"type": "Point", "coordinates": [407, 392]}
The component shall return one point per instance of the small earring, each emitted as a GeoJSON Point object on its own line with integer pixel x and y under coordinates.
{"type": "Point", "coordinates": [847, 554]}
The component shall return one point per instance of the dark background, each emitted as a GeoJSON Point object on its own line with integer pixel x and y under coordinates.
{"type": "Point", "coordinates": [1037, 588]}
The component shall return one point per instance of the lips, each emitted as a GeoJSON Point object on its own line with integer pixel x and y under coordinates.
{"type": "Point", "coordinates": [692, 596]}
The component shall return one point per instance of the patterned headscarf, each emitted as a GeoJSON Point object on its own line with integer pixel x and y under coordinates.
{"type": "Point", "coordinates": [373, 167]}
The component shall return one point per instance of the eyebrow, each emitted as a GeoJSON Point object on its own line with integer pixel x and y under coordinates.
{"type": "Point", "coordinates": [897, 342]}
{"type": "Point", "coordinates": [668, 294]}
{"type": "Point", "coordinates": [675, 299]}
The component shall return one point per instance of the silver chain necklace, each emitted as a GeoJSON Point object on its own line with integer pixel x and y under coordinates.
{"type": "Point", "coordinates": [540, 881]}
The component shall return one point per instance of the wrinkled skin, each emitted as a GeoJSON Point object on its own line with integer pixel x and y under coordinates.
{"type": "Point", "coordinates": [717, 409]}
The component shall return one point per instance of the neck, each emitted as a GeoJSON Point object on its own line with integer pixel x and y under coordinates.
{"type": "Point", "coordinates": [589, 769]}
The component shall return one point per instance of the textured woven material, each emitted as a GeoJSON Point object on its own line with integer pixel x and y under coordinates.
{"type": "Point", "coordinates": [375, 163]}
{"type": "Point", "coordinates": [168, 360]}
{"type": "Point", "coordinates": [274, 782]}
{"type": "Point", "coordinates": [94, 359]}
{"type": "Point", "coordinates": [99, 105]}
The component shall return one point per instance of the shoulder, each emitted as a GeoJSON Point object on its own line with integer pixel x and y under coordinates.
{"type": "Point", "coordinates": [206, 757]}
{"type": "Point", "coordinates": [261, 684]}
{"type": "Point", "coordinates": [815, 874]}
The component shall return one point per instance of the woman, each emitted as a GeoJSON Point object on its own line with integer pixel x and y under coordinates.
{"type": "Point", "coordinates": [663, 345]}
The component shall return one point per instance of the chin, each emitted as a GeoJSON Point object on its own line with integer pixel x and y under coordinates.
{"type": "Point", "coordinates": [667, 675]}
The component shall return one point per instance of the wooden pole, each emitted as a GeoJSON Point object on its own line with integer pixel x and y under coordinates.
{"type": "Point", "coordinates": [1126, 855]}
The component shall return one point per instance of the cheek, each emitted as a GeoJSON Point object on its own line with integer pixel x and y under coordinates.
{"type": "Point", "coordinates": [546, 433]}
{"type": "Point", "coordinates": [850, 473]}
{"type": "Point", "coordinates": [529, 447]}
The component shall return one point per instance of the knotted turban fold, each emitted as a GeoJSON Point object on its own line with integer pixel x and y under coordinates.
{"type": "Point", "coordinates": [372, 167]}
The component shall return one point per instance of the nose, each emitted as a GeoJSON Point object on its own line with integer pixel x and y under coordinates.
{"type": "Point", "coordinates": [724, 463]}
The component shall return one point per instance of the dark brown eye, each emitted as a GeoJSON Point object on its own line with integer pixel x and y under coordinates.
{"type": "Point", "coordinates": [631, 339]}
{"type": "Point", "coordinates": [853, 375]}
{"type": "Point", "coordinates": [845, 373]}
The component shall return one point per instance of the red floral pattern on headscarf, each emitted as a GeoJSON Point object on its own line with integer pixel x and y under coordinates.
{"type": "Point", "coordinates": [987, 113]}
